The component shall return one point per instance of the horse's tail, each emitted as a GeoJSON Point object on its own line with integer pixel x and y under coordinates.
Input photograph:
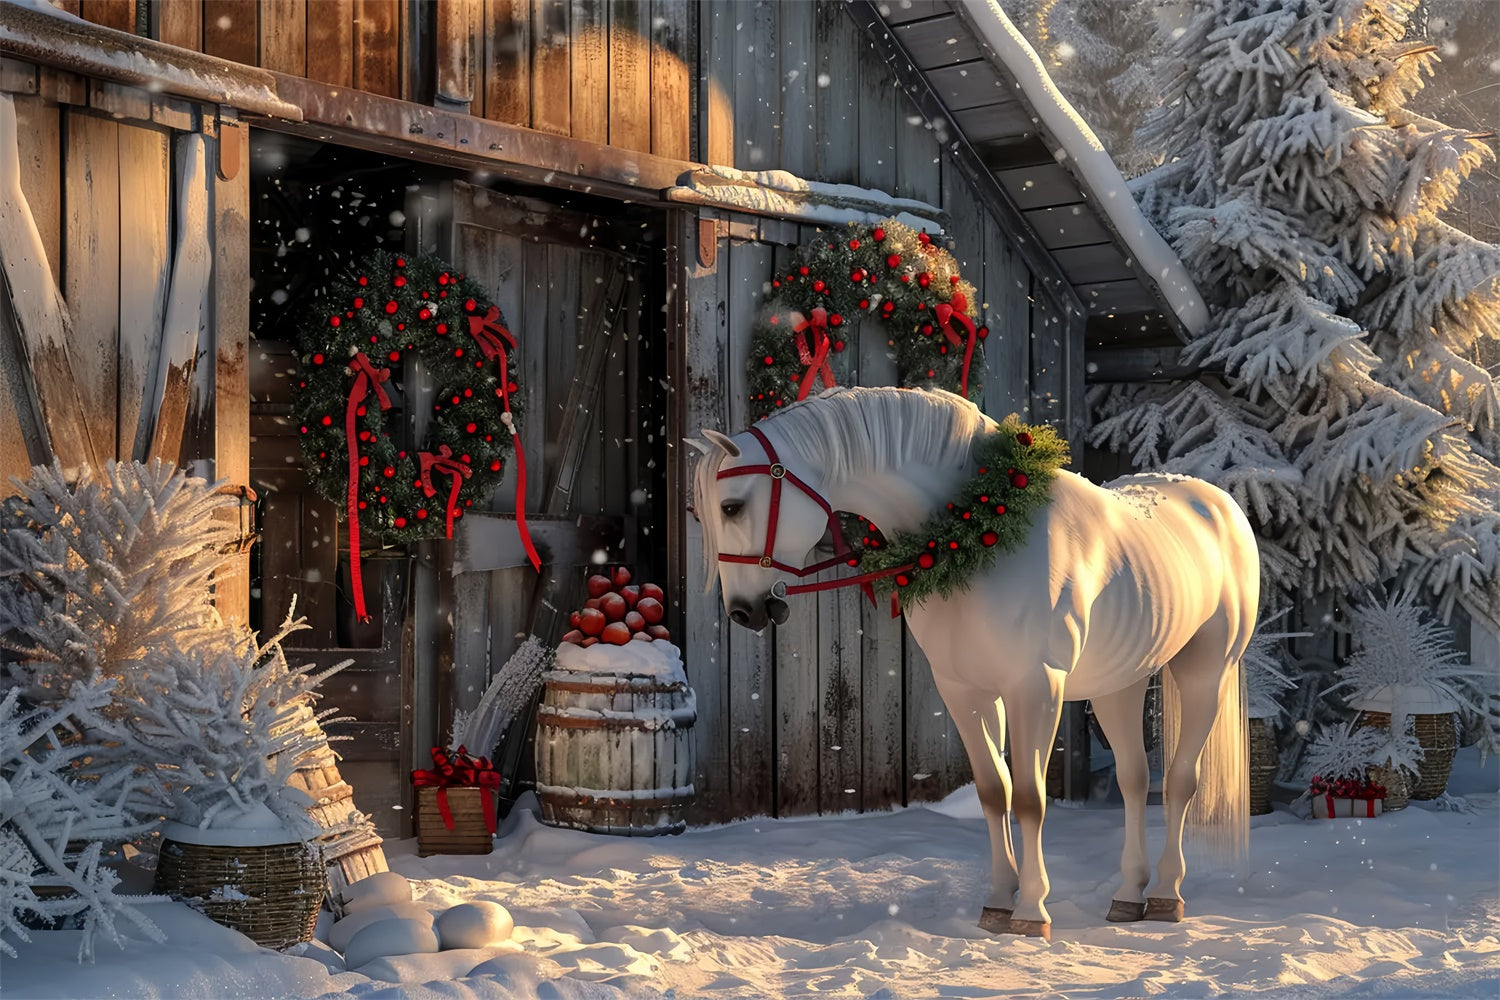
{"type": "Point", "coordinates": [1220, 811]}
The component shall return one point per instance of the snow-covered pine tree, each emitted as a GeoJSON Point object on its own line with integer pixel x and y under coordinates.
{"type": "Point", "coordinates": [1351, 419]}
{"type": "Point", "coordinates": [1102, 55]}
{"type": "Point", "coordinates": [96, 574]}
{"type": "Point", "coordinates": [58, 819]}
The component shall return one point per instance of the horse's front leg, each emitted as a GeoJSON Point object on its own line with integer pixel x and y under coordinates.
{"type": "Point", "coordinates": [1036, 707]}
{"type": "Point", "coordinates": [980, 720]}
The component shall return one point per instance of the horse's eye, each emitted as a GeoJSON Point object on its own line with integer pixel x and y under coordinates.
{"type": "Point", "coordinates": [732, 508]}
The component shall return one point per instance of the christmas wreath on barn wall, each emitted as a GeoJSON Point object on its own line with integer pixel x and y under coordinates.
{"type": "Point", "coordinates": [355, 387]}
{"type": "Point", "coordinates": [888, 274]}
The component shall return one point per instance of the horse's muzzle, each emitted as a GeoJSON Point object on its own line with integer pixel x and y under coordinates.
{"type": "Point", "coordinates": [773, 610]}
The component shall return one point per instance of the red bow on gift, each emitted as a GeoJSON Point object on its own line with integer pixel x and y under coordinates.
{"type": "Point", "coordinates": [460, 770]}
{"type": "Point", "coordinates": [947, 314]}
{"type": "Point", "coordinates": [366, 377]}
{"type": "Point", "coordinates": [495, 342]}
{"type": "Point", "coordinates": [440, 463]}
{"type": "Point", "coordinates": [814, 357]}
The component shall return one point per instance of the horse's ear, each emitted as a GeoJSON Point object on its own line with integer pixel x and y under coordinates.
{"type": "Point", "coordinates": [698, 444]}
{"type": "Point", "coordinates": [719, 439]}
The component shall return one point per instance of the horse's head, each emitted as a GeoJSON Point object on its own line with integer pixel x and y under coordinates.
{"type": "Point", "coordinates": [760, 521]}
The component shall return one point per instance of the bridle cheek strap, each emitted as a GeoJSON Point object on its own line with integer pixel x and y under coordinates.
{"type": "Point", "coordinates": [778, 474]}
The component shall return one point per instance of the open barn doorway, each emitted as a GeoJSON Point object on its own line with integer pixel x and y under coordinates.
{"type": "Point", "coordinates": [579, 282]}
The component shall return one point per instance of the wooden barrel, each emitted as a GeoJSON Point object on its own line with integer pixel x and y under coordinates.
{"type": "Point", "coordinates": [614, 752]}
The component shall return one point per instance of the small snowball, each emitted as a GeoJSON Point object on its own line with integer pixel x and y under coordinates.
{"type": "Point", "coordinates": [386, 938]}
{"type": "Point", "coordinates": [373, 890]}
{"type": "Point", "coordinates": [474, 925]}
{"type": "Point", "coordinates": [345, 930]}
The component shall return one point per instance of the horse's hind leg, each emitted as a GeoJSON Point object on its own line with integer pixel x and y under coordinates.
{"type": "Point", "coordinates": [1119, 715]}
{"type": "Point", "coordinates": [1198, 671]}
{"type": "Point", "coordinates": [980, 720]}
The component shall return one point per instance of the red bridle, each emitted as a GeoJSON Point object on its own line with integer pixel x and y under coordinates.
{"type": "Point", "coordinates": [767, 560]}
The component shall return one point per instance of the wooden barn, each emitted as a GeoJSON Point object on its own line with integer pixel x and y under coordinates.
{"type": "Point", "coordinates": [179, 179]}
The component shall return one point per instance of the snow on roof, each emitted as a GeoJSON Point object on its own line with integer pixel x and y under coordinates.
{"type": "Point", "coordinates": [780, 193]}
{"type": "Point", "coordinates": [1091, 163]}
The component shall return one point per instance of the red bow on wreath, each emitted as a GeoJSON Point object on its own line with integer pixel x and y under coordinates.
{"type": "Point", "coordinates": [953, 311]}
{"type": "Point", "coordinates": [461, 770]}
{"type": "Point", "coordinates": [815, 357]}
{"type": "Point", "coordinates": [440, 463]}
{"type": "Point", "coordinates": [366, 377]}
{"type": "Point", "coordinates": [495, 342]}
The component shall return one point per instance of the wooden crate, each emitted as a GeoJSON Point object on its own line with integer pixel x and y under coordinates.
{"type": "Point", "coordinates": [469, 834]}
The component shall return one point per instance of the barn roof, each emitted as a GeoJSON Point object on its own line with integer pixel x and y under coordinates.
{"type": "Point", "coordinates": [965, 62]}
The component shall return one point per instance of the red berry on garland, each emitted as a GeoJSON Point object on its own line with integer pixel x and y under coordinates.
{"type": "Point", "coordinates": [441, 328]}
{"type": "Point", "coordinates": [999, 508]}
{"type": "Point", "coordinates": [835, 320]}
{"type": "Point", "coordinates": [984, 499]}
{"type": "Point", "coordinates": [425, 313]}
{"type": "Point", "coordinates": [925, 560]}
{"type": "Point", "coordinates": [1023, 439]}
{"type": "Point", "coordinates": [932, 543]}
{"type": "Point", "coordinates": [902, 579]}
{"type": "Point", "coordinates": [952, 279]}
{"type": "Point", "coordinates": [802, 271]}
{"type": "Point", "coordinates": [388, 471]}
{"type": "Point", "coordinates": [989, 538]}
{"type": "Point", "coordinates": [982, 332]}
{"type": "Point", "coordinates": [399, 281]}
{"type": "Point", "coordinates": [394, 355]}
{"type": "Point", "coordinates": [421, 513]}
{"type": "Point", "coordinates": [304, 428]}
{"type": "Point", "coordinates": [470, 305]}
{"type": "Point", "coordinates": [953, 545]}
{"type": "Point", "coordinates": [359, 302]}
{"type": "Point", "coordinates": [924, 279]}
{"type": "Point", "coordinates": [400, 261]}
{"type": "Point", "coordinates": [926, 329]}
{"type": "Point", "coordinates": [923, 238]}
{"type": "Point", "coordinates": [864, 303]}
{"type": "Point", "coordinates": [400, 522]}
{"type": "Point", "coordinates": [770, 360]}
{"type": "Point", "coordinates": [363, 281]}
{"type": "Point", "coordinates": [494, 465]}
{"type": "Point", "coordinates": [327, 421]}
{"type": "Point", "coordinates": [391, 307]}
{"type": "Point", "coordinates": [317, 359]}
{"type": "Point", "coordinates": [838, 345]}
{"type": "Point", "coordinates": [776, 283]}
{"type": "Point", "coordinates": [1019, 480]}
{"type": "Point", "coordinates": [879, 234]}
{"type": "Point", "coordinates": [854, 244]}
{"type": "Point", "coordinates": [333, 321]}
{"type": "Point", "coordinates": [894, 260]}
{"type": "Point", "coordinates": [968, 514]}
{"type": "Point", "coordinates": [471, 427]}
{"type": "Point", "coordinates": [818, 286]}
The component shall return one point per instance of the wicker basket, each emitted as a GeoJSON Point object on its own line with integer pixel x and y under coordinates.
{"type": "Point", "coordinates": [1438, 735]}
{"type": "Point", "coordinates": [470, 834]}
{"type": "Point", "coordinates": [270, 894]}
{"type": "Point", "coordinates": [1396, 781]}
{"type": "Point", "coordinates": [1263, 763]}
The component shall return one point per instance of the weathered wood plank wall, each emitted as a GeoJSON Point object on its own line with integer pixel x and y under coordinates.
{"type": "Point", "coordinates": [837, 710]}
{"type": "Point", "coordinates": [101, 313]}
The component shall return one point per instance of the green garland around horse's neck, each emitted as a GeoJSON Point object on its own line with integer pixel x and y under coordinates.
{"type": "Point", "coordinates": [895, 279]}
{"type": "Point", "coordinates": [992, 513]}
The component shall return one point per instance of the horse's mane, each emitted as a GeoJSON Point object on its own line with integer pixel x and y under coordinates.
{"type": "Point", "coordinates": [850, 430]}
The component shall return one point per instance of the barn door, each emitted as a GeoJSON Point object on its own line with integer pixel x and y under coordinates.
{"type": "Point", "coordinates": [576, 311]}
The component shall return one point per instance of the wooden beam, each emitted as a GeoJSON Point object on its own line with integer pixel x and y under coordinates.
{"type": "Point", "coordinates": [40, 314]}
{"type": "Point", "coordinates": [231, 357]}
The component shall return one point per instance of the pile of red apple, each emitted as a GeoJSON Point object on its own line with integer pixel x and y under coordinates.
{"type": "Point", "coordinates": [618, 612]}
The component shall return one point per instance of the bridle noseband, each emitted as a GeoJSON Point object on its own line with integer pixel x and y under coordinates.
{"type": "Point", "coordinates": [779, 473]}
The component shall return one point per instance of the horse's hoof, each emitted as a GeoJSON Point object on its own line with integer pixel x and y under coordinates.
{"type": "Point", "coordinates": [1031, 928]}
{"type": "Point", "coordinates": [994, 920]}
{"type": "Point", "coordinates": [1121, 912]}
{"type": "Point", "coordinates": [1169, 910]}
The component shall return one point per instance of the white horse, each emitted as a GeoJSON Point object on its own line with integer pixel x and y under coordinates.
{"type": "Point", "coordinates": [1111, 585]}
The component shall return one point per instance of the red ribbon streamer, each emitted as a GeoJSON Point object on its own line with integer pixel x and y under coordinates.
{"type": "Point", "coordinates": [366, 377]}
{"type": "Point", "coordinates": [442, 462]}
{"type": "Point", "coordinates": [947, 313]}
{"type": "Point", "coordinates": [815, 359]}
{"type": "Point", "coordinates": [495, 341]}
{"type": "Point", "coordinates": [462, 770]}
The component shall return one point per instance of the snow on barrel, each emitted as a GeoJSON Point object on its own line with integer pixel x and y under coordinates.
{"type": "Point", "coordinates": [614, 751]}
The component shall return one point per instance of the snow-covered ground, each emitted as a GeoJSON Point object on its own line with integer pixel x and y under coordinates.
{"type": "Point", "coordinates": [1405, 905]}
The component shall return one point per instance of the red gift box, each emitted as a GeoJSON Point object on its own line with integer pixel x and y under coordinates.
{"type": "Point", "coordinates": [1345, 798]}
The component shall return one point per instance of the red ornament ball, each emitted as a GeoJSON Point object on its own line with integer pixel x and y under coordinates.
{"type": "Point", "coordinates": [894, 260]}
{"type": "Point", "coordinates": [333, 321]}
{"type": "Point", "coordinates": [925, 560]}
{"type": "Point", "coordinates": [989, 538]}
{"type": "Point", "coordinates": [1019, 480]}
{"type": "Point", "coordinates": [1023, 439]}
{"type": "Point", "coordinates": [400, 522]}
{"type": "Point", "coordinates": [391, 307]}
{"type": "Point", "coordinates": [399, 281]}
{"type": "Point", "coordinates": [879, 234]}
{"type": "Point", "coordinates": [854, 244]}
